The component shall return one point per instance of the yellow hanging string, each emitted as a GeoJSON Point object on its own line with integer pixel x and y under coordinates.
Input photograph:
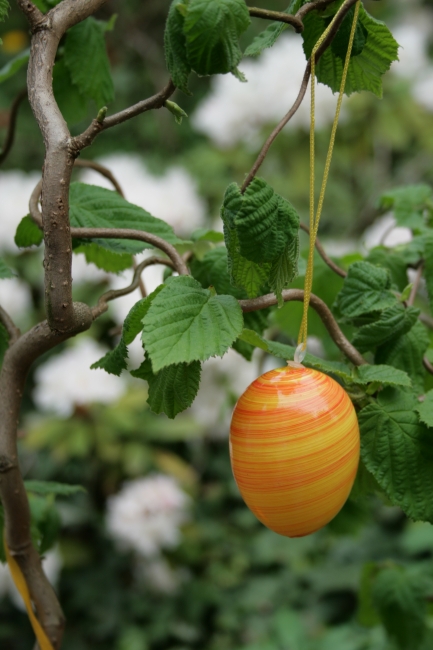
{"type": "Point", "coordinates": [315, 217]}
{"type": "Point", "coordinates": [21, 585]}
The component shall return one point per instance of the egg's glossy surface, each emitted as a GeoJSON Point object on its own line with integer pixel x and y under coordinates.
{"type": "Point", "coordinates": [294, 448]}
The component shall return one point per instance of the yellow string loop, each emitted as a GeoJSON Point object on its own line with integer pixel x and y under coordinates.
{"type": "Point", "coordinates": [21, 585]}
{"type": "Point", "coordinates": [315, 217]}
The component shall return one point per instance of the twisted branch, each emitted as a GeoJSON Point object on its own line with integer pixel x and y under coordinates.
{"type": "Point", "coordinates": [101, 169]}
{"type": "Point", "coordinates": [279, 16]}
{"type": "Point", "coordinates": [10, 135]}
{"type": "Point", "coordinates": [328, 40]}
{"type": "Point", "coordinates": [323, 311]}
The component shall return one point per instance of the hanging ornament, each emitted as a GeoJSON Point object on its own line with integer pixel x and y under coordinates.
{"type": "Point", "coordinates": [294, 449]}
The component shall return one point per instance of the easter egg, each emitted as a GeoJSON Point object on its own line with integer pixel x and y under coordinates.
{"type": "Point", "coordinates": [294, 449]}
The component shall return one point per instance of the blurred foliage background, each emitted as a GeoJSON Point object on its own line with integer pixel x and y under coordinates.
{"type": "Point", "coordinates": [224, 582]}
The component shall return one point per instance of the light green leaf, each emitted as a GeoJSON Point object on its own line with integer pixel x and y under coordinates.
{"type": "Point", "coordinates": [400, 599]}
{"type": "Point", "coordinates": [104, 259]}
{"type": "Point", "coordinates": [28, 233]}
{"type": "Point", "coordinates": [96, 207]}
{"type": "Point", "coordinates": [4, 9]}
{"type": "Point", "coordinates": [212, 29]}
{"type": "Point", "coordinates": [5, 271]}
{"type": "Point", "coordinates": [392, 323]}
{"type": "Point", "coordinates": [366, 69]}
{"type": "Point", "coordinates": [72, 104]}
{"type": "Point", "coordinates": [204, 234]}
{"type": "Point", "coordinates": [116, 360]}
{"type": "Point", "coordinates": [398, 451]}
{"type": "Point", "coordinates": [172, 389]}
{"type": "Point", "coordinates": [366, 289]}
{"type": "Point", "coordinates": [175, 48]}
{"type": "Point", "coordinates": [425, 409]}
{"type": "Point", "coordinates": [187, 323]}
{"type": "Point", "coordinates": [406, 353]}
{"type": "Point", "coordinates": [87, 61]}
{"type": "Point", "coordinates": [14, 65]}
{"type": "Point", "coordinates": [270, 35]}
{"type": "Point", "coordinates": [44, 488]}
{"type": "Point", "coordinates": [386, 375]}
{"type": "Point", "coordinates": [407, 203]}
{"type": "Point", "coordinates": [391, 260]}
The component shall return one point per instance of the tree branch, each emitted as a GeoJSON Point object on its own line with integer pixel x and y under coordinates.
{"type": "Point", "coordinates": [332, 265]}
{"type": "Point", "coordinates": [34, 16]}
{"type": "Point", "coordinates": [11, 328]}
{"type": "Point", "coordinates": [313, 6]}
{"type": "Point", "coordinates": [113, 233]}
{"type": "Point", "coordinates": [10, 135]}
{"type": "Point", "coordinates": [16, 363]}
{"type": "Point", "coordinates": [156, 101]}
{"type": "Point", "coordinates": [279, 16]}
{"type": "Point", "coordinates": [323, 311]}
{"type": "Point", "coordinates": [328, 40]}
{"type": "Point", "coordinates": [102, 305]}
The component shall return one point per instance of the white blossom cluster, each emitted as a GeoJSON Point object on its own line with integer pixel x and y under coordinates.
{"type": "Point", "coordinates": [66, 379]}
{"type": "Point", "coordinates": [146, 515]}
{"type": "Point", "coordinates": [52, 565]}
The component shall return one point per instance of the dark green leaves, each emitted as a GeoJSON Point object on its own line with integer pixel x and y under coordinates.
{"type": "Point", "coordinates": [5, 271]}
{"type": "Point", "coordinates": [87, 61]}
{"type": "Point", "coordinates": [425, 409]}
{"type": "Point", "coordinates": [203, 35]}
{"type": "Point", "coordinates": [398, 450]}
{"type": "Point", "coordinates": [96, 207]}
{"type": "Point", "coordinates": [341, 41]}
{"type": "Point", "coordinates": [175, 48]}
{"type": "Point", "coordinates": [28, 233]}
{"type": "Point", "coordinates": [261, 234]}
{"type": "Point", "coordinates": [407, 203]}
{"type": "Point", "coordinates": [4, 9]}
{"type": "Point", "coordinates": [212, 29]}
{"type": "Point", "coordinates": [376, 49]}
{"type": "Point", "coordinates": [392, 323]}
{"type": "Point", "coordinates": [385, 375]}
{"type": "Point", "coordinates": [172, 389]}
{"type": "Point", "coordinates": [45, 488]}
{"type": "Point", "coordinates": [188, 323]}
{"type": "Point", "coordinates": [400, 598]}
{"type": "Point", "coordinates": [366, 288]}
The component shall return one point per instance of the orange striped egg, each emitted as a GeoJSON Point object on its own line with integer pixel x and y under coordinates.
{"type": "Point", "coordinates": [294, 449]}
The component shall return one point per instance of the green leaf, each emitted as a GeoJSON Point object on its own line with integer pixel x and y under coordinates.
{"type": "Point", "coordinates": [44, 488]}
{"type": "Point", "coordinates": [407, 203]}
{"type": "Point", "coordinates": [400, 599]}
{"type": "Point", "coordinates": [4, 9]}
{"type": "Point", "coordinates": [116, 360]}
{"type": "Point", "coordinates": [392, 323]}
{"type": "Point", "coordinates": [340, 43]}
{"type": "Point", "coordinates": [385, 375]}
{"type": "Point", "coordinates": [284, 269]}
{"type": "Point", "coordinates": [96, 207]}
{"type": "Point", "coordinates": [14, 65]}
{"type": "Point", "coordinates": [391, 260]}
{"type": "Point", "coordinates": [212, 29]}
{"type": "Point", "coordinates": [172, 389]}
{"type": "Point", "coordinates": [187, 323]}
{"type": "Point", "coordinates": [428, 265]}
{"type": "Point", "coordinates": [366, 289]}
{"type": "Point", "coordinates": [425, 409]}
{"type": "Point", "coordinates": [270, 35]}
{"type": "Point", "coordinates": [212, 270]}
{"type": "Point", "coordinates": [104, 259]}
{"type": "Point", "coordinates": [286, 352]}
{"type": "Point", "coordinates": [366, 69]}
{"type": "Point", "coordinates": [72, 103]}
{"type": "Point", "coordinates": [398, 451]}
{"type": "Point", "coordinates": [87, 61]}
{"type": "Point", "coordinates": [175, 110]}
{"type": "Point", "coordinates": [175, 48]}
{"type": "Point", "coordinates": [5, 271]}
{"type": "Point", "coordinates": [204, 234]}
{"type": "Point", "coordinates": [406, 353]}
{"type": "Point", "coordinates": [28, 233]}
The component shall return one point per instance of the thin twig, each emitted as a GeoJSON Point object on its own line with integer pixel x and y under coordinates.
{"type": "Point", "coordinates": [263, 153]}
{"type": "Point", "coordinates": [313, 6]}
{"type": "Point", "coordinates": [113, 233]}
{"type": "Point", "coordinates": [332, 265]}
{"type": "Point", "coordinates": [31, 12]}
{"type": "Point", "coordinates": [112, 294]}
{"type": "Point", "coordinates": [416, 283]}
{"type": "Point", "coordinates": [323, 311]}
{"type": "Point", "coordinates": [279, 16]}
{"type": "Point", "coordinates": [156, 101]}
{"type": "Point", "coordinates": [11, 328]}
{"type": "Point", "coordinates": [10, 135]}
{"type": "Point", "coordinates": [101, 169]}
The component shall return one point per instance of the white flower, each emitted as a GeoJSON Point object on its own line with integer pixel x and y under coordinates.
{"type": "Point", "coordinates": [235, 111]}
{"type": "Point", "coordinates": [145, 516]}
{"type": "Point", "coordinates": [52, 566]}
{"type": "Point", "coordinates": [66, 380]}
{"type": "Point", "coordinates": [15, 190]}
{"type": "Point", "coordinates": [172, 197]}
